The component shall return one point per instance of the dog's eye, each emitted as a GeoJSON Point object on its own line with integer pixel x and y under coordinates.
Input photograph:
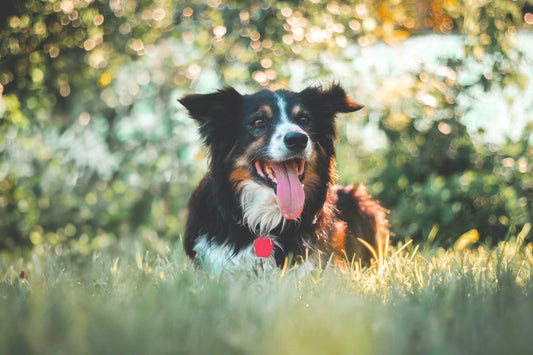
{"type": "Point", "coordinates": [259, 122]}
{"type": "Point", "coordinates": [303, 119]}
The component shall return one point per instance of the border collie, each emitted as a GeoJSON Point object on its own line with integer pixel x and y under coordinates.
{"type": "Point", "coordinates": [271, 182]}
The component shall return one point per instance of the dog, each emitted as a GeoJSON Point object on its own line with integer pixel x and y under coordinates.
{"type": "Point", "coordinates": [269, 197]}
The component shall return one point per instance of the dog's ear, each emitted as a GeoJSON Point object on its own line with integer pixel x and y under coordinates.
{"type": "Point", "coordinates": [331, 100]}
{"type": "Point", "coordinates": [214, 106]}
{"type": "Point", "coordinates": [217, 114]}
{"type": "Point", "coordinates": [324, 105]}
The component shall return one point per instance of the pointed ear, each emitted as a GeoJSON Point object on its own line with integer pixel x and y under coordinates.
{"type": "Point", "coordinates": [331, 100]}
{"type": "Point", "coordinates": [217, 114]}
{"type": "Point", "coordinates": [206, 107]}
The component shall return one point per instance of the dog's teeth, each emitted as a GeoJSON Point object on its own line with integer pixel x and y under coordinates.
{"type": "Point", "coordinates": [270, 174]}
{"type": "Point", "coordinates": [271, 177]}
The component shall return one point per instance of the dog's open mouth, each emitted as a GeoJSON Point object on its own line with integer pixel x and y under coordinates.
{"type": "Point", "coordinates": [286, 178]}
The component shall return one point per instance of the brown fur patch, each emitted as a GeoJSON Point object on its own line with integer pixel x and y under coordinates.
{"type": "Point", "coordinates": [244, 161]}
{"type": "Point", "coordinates": [373, 208]}
{"type": "Point", "coordinates": [255, 146]}
{"type": "Point", "coordinates": [241, 172]}
{"type": "Point", "coordinates": [241, 162]}
{"type": "Point", "coordinates": [266, 110]}
{"type": "Point", "coordinates": [311, 181]}
{"type": "Point", "coordinates": [297, 111]}
{"type": "Point", "coordinates": [338, 238]}
{"type": "Point", "coordinates": [238, 176]}
{"type": "Point", "coordinates": [365, 218]}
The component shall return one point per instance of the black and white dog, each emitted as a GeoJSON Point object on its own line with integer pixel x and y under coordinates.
{"type": "Point", "coordinates": [270, 182]}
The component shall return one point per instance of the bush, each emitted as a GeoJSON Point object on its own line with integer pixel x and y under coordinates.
{"type": "Point", "coordinates": [92, 149]}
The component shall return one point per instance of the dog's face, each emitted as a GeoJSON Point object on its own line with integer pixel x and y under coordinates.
{"type": "Point", "coordinates": [270, 141]}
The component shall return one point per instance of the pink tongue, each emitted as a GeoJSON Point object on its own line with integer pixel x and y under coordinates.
{"type": "Point", "coordinates": [290, 191]}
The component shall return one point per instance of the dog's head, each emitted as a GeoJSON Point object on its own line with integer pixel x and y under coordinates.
{"type": "Point", "coordinates": [276, 139]}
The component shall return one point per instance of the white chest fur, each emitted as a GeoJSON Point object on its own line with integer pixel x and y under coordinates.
{"type": "Point", "coordinates": [261, 214]}
{"type": "Point", "coordinates": [260, 208]}
{"type": "Point", "coordinates": [223, 257]}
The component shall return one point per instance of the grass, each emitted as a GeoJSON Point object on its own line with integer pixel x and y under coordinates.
{"type": "Point", "coordinates": [417, 300]}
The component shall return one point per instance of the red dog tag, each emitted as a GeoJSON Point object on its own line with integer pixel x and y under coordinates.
{"type": "Point", "coordinates": [263, 246]}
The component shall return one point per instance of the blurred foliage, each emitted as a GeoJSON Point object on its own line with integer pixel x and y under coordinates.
{"type": "Point", "coordinates": [91, 146]}
{"type": "Point", "coordinates": [435, 173]}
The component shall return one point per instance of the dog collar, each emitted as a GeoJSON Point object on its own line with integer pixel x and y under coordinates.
{"type": "Point", "coordinates": [263, 246]}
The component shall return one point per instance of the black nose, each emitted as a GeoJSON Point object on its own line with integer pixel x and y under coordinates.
{"type": "Point", "coordinates": [295, 141]}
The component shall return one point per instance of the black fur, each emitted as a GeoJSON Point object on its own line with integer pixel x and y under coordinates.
{"type": "Point", "coordinates": [226, 120]}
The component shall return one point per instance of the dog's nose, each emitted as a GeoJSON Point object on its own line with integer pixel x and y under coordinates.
{"type": "Point", "coordinates": [295, 141]}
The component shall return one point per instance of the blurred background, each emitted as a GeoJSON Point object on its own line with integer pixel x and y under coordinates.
{"type": "Point", "coordinates": [94, 147]}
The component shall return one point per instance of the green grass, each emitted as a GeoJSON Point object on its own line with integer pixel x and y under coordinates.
{"type": "Point", "coordinates": [418, 300]}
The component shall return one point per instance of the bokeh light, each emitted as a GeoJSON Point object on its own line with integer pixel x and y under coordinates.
{"type": "Point", "coordinates": [94, 147]}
